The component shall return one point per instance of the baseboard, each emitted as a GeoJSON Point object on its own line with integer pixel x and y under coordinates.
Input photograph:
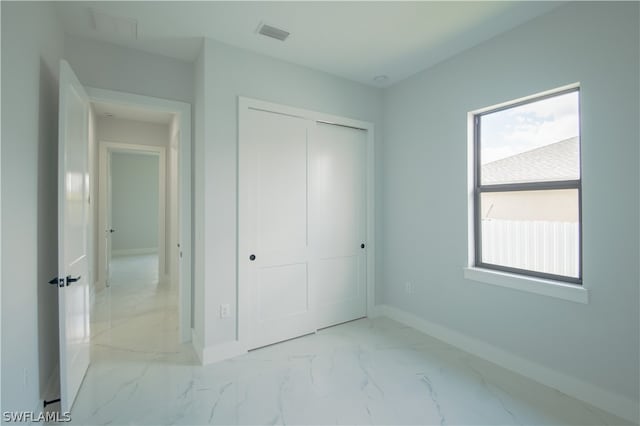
{"type": "Point", "coordinates": [222, 351]}
{"type": "Point", "coordinates": [587, 392]}
{"type": "Point", "coordinates": [165, 280]}
{"type": "Point", "coordinates": [196, 342]}
{"type": "Point", "coordinates": [216, 353]}
{"type": "Point", "coordinates": [375, 311]}
{"type": "Point", "coordinates": [134, 252]}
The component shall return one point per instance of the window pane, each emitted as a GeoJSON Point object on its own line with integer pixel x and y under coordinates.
{"type": "Point", "coordinates": [535, 142]}
{"type": "Point", "coordinates": [532, 230]}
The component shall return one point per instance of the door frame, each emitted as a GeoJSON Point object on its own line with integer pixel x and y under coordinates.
{"type": "Point", "coordinates": [244, 105]}
{"type": "Point", "coordinates": [105, 151]}
{"type": "Point", "coordinates": [183, 112]}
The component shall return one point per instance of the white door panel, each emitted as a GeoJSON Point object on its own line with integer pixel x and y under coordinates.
{"type": "Point", "coordinates": [303, 215]}
{"type": "Point", "coordinates": [279, 293]}
{"type": "Point", "coordinates": [339, 289]}
{"type": "Point", "coordinates": [277, 201]}
{"type": "Point", "coordinates": [340, 277]}
{"type": "Point", "coordinates": [337, 189]}
{"type": "Point", "coordinates": [73, 220]}
{"type": "Point", "coordinates": [337, 192]}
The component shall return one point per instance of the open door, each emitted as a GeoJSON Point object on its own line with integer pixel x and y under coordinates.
{"type": "Point", "coordinates": [73, 221]}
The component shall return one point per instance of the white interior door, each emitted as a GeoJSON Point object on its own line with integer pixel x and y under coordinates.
{"type": "Point", "coordinates": [337, 218]}
{"type": "Point", "coordinates": [73, 220]}
{"type": "Point", "coordinates": [277, 231]}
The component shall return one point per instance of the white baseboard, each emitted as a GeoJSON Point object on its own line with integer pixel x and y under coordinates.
{"type": "Point", "coordinates": [164, 280]}
{"type": "Point", "coordinates": [196, 342]}
{"type": "Point", "coordinates": [579, 389]}
{"type": "Point", "coordinates": [134, 252]}
{"type": "Point", "coordinates": [216, 353]}
{"type": "Point", "coordinates": [375, 311]}
{"type": "Point", "coordinates": [222, 351]}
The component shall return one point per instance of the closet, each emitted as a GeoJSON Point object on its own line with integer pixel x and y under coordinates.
{"type": "Point", "coordinates": [302, 224]}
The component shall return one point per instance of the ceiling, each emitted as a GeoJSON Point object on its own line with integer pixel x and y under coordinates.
{"type": "Point", "coordinates": [355, 40]}
{"type": "Point", "coordinates": [124, 112]}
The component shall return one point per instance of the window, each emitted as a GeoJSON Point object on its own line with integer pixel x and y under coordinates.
{"type": "Point", "coordinates": [527, 187]}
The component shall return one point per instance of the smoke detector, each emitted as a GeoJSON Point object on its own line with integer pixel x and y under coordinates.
{"type": "Point", "coordinates": [273, 32]}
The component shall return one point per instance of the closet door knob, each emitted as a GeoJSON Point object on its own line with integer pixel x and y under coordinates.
{"type": "Point", "coordinates": [252, 257]}
{"type": "Point", "coordinates": [362, 245]}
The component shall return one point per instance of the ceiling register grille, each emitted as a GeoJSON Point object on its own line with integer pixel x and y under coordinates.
{"type": "Point", "coordinates": [273, 32]}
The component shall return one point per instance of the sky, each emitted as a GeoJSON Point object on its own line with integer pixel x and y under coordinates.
{"type": "Point", "coordinates": [515, 130]}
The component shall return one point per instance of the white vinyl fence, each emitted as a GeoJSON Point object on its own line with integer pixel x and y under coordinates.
{"type": "Point", "coordinates": [551, 247]}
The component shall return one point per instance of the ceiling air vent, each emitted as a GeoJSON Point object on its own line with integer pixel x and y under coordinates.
{"type": "Point", "coordinates": [273, 32]}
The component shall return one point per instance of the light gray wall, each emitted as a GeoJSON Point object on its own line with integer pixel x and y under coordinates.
{"type": "Point", "coordinates": [425, 189]}
{"type": "Point", "coordinates": [134, 202]}
{"type": "Point", "coordinates": [32, 45]}
{"type": "Point", "coordinates": [107, 66]}
{"type": "Point", "coordinates": [134, 132]}
{"type": "Point", "coordinates": [228, 73]}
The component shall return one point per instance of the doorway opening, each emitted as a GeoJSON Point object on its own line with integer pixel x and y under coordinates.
{"type": "Point", "coordinates": [140, 161]}
{"type": "Point", "coordinates": [137, 210]}
{"type": "Point", "coordinates": [133, 212]}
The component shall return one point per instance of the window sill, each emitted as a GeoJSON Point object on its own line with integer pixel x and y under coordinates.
{"type": "Point", "coordinates": [557, 289]}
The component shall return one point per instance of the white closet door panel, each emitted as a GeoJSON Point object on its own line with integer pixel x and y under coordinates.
{"type": "Point", "coordinates": [337, 191]}
{"type": "Point", "coordinates": [341, 292]}
{"type": "Point", "coordinates": [282, 190]}
{"type": "Point", "coordinates": [276, 282]}
{"type": "Point", "coordinates": [277, 200]}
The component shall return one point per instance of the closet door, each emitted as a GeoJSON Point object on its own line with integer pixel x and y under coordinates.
{"type": "Point", "coordinates": [337, 218]}
{"type": "Point", "coordinates": [277, 231]}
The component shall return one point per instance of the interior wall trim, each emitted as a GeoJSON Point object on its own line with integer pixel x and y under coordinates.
{"type": "Point", "coordinates": [606, 400]}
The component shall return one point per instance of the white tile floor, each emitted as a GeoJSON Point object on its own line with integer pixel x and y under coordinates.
{"type": "Point", "coordinates": [363, 372]}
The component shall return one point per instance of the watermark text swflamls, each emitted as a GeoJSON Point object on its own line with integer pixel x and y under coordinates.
{"type": "Point", "coordinates": [32, 417]}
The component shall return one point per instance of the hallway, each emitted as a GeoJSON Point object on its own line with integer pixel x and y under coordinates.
{"type": "Point", "coordinates": [135, 314]}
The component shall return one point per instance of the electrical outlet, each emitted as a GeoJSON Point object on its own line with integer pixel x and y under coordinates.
{"type": "Point", "coordinates": [408, 287]}
{"type": "Point", "coordinates": [225, 311]}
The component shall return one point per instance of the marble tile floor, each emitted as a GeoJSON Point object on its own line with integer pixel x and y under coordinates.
{"type": "Point", "coordinates": [369, 371]}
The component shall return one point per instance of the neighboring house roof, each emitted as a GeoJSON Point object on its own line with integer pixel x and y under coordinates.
{"type": "Point", "coordinates": [557, 161]}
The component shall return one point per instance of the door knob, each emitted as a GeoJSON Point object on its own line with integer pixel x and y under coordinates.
{"type": "Point", "coordinates": [252, 257]}
{"type": "Point", "coordinates": [70, 279]}
{"type": "Point", "coordinates": [112, 231]}
{"type": "Point", "coordinates": [362, 245]}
